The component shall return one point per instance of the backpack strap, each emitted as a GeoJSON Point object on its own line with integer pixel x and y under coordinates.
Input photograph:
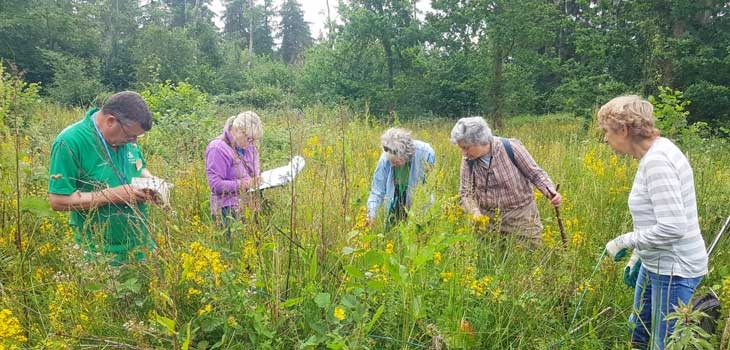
{"type": "Point", "coordinates": [508, 147]}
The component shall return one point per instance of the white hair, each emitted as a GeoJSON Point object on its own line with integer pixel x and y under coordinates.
{"type": "Point", "coordinates": [472, 131]}
{"type": "Point", "coordinates": [398, 143]}
{"type": "Point", "coordinates": [248, 122]}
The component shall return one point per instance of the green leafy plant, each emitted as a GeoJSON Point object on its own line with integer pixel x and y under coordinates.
{"type": "Point", "coordinates": [687, 332]}
{"type": "Point", "coordinates": [670, 111]}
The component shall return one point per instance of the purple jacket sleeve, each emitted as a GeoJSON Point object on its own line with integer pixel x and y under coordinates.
{"type": "Point", "coordinates": [218, 165]}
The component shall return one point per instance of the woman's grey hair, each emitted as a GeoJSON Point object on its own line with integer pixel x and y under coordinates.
{"type": "Point", "coordinates": [472, 131]}
{"type": "Point", "coordinates": [397, 142]}
{"type": "Point", "coordinates": [248, 122]}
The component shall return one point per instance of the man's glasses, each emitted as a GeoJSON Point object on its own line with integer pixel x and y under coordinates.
{"type": "Point", "coordinates": [127, 135]}
{"type": "Point", "coordinates": [389, 150]}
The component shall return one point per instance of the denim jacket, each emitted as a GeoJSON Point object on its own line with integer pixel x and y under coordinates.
{"type": "Point", "coordinates": [382, 189]}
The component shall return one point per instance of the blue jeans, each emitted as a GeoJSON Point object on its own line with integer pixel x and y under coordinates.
{"type": "Point", "coordinates": [655, 297]}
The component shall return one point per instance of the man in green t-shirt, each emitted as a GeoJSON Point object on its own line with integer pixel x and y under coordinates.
{"type": "Point", "coordinates": [93, 162]}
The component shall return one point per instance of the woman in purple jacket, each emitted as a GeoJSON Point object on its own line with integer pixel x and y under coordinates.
{"type": "Point", "coordinates": [232, 167]}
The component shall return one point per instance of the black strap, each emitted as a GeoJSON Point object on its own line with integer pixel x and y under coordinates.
{"type": "Point", "coordinates": [508, 147]}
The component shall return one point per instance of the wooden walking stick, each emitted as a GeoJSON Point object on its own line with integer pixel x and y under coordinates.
{"type": "Point", "coordinates": [560, 221]}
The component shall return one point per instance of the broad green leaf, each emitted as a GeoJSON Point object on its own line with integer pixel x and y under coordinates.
{"type": "Point", "coordinates": [169, 324]}
{"type": "Point", "coordinates": [322, 300]}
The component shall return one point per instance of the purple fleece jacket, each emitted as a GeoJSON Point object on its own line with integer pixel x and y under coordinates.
{"type": "Point", "coordinates": [228, 171]}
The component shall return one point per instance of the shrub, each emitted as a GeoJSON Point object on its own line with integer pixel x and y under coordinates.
{"type": "Point", "coordinates": [75, 80]}
{"type": "Point", "coordinates": [710, 103]}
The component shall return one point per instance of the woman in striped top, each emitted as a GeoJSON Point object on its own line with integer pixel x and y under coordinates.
{"type": "Point", "coordinates": [668, 249]}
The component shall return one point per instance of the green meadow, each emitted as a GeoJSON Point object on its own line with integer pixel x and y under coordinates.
{"type": "Point", "coordinates": [307, 273]}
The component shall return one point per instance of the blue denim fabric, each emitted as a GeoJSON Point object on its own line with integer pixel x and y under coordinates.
{"type": "Point", "coordinates": [655, 296]}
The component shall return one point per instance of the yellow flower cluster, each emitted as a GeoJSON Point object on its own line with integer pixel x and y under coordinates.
{"type": "Point", "coordinates": [379, 273]}
{"type": "Point", "coordinates": [481, 286]}
{"type": "Point", "coordinates": [467, 276]}
{"type": "Point", "coordinates": [437, 258]}
{"type": "Point", "coordinates": [10, 329]}
{"type": "Point", "coordinates": [311, 148]}
{"type": "Point", "coordinates": [46, 249]}
{"type": "Point", "coordinates": [570, 223]}
{"type": "Point", "coordinates": [205, 309]}
{"type": "Point", "coordinates": [41, 273]}
{"type": "Point", "coordinates": [481, 223]}
{"type": "Point", "coordinates": [339, 313]}
{"type": "Point", "coordinates": [100, 296]}
{"type": "Point", "coordinates": [578, 238]}
{"type": "Point", "coordinates": [250, 254]}
{"type": "Point", "coordinates": [46, 226]}
{"type": "Point", "coordinates": [193, 292]}
{"type": "Point", "coordinates": [537, 273]}
{"type": "Point", "coordinates": [496, 295]}
{"type": "Point", "coordinates": [585, 286]}
{"type": "Point", "coordinates": [594, 164]}
{"type": "Point", "coordinates": [549, 237]}
{"type": "Point", "coordinates": [361, 220]}
{"type": "Point", "coordinates": [446, 276]}
{"type": "Point", "coordinates": [389, 247]}
{"type": "Point", "coordinates": [199, 261]}
{"type": "Point", "coordinates": [452, 210]}
{"type": "Point", "coordinates": [197, 225]}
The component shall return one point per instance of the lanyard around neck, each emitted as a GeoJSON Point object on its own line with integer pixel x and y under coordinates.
{"type": "Point", "coordinates": [122, 177]}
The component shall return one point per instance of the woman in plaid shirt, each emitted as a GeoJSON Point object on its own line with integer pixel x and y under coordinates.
{"type": "Point", "coordinates": [492, 182]}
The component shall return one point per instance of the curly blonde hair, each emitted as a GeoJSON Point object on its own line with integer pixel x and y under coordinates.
{"type": "Point", "coordinates": [248, 122]}
{"type": "Point", "coordinates": [632, 112]}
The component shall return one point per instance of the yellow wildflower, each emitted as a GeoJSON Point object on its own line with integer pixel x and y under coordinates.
{"type": "Point", "coordinates": [578, 238]}
{"type": "Point", "coordinates": [437, 258]}
{"type": "Point", "coordinates": [446, 276]}
{"type": "Point", "coordinates": [339, 313]}
{"type": "Point", "coordinates": [389, 248]}
{"type": "Point", "coordinates": [205, 309]}
{"type": "Point", "coordinates": [10, 329]}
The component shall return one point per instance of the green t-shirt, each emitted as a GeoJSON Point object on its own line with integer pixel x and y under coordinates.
{"type": "Point", "coordinates": [401, 175]}
{"type": "Point", "coordinates": [82, 161]}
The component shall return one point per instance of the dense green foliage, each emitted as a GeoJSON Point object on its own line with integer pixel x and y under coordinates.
{"type": "Point", "coordinates": [497, 58]}
{"type": "Point", "coordinates": [308, 274]}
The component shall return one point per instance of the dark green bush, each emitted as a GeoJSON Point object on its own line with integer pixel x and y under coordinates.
{"type": "Point", "coordinates": [710, 103]}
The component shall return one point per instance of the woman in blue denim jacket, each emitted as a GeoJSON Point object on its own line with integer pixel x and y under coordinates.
{"type": "Point", "coordinates": [401, 167]}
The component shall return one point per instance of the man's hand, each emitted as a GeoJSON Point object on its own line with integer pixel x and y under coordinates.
{"type": "Point", "coordinates": [124, 194]}
{"type": "Point", "coordinates": [617, 247]}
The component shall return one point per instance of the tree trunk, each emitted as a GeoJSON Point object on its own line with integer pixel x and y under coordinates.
{"type": "Point", "coordinates": [250, 32]}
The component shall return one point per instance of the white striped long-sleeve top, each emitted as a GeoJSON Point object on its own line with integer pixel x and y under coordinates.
{"type": "Point", "coordinates": [664, 209]}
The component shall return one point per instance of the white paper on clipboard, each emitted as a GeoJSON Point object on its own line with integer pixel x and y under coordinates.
{"type": "Point", "coordinates": [281, 175]}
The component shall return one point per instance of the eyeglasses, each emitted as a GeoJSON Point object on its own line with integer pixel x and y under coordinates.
{"type": "Point", "coordinates": [127, 135]}
{"type": "Point", "coordinates": [389, 150]}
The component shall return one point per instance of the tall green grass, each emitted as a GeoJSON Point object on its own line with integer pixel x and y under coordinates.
{"type": "Point", "coordinates": [309, 274]}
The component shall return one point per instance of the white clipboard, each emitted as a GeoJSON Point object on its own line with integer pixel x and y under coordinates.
{"type": "Point", "coordinates": [282, 175]}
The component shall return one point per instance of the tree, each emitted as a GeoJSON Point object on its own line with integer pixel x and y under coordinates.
{"type": "Point", "coordinates": [248, 25]}
{"type": "Point", "coordinates": [294, 31]}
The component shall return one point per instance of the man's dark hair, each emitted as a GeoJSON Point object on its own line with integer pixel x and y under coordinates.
{"type": "Point", "coordinates": [128, 106]}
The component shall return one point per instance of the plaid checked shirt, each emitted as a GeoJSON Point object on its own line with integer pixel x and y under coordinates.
{"type": "Point", "coordinates": [501, 185]}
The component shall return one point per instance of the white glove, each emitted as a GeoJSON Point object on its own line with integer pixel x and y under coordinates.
{"type": "Point", "coordinates": [616, 247]}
